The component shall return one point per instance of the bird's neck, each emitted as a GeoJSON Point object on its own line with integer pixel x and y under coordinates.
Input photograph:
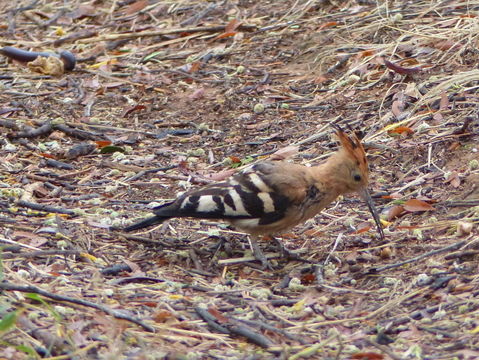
{"type": "Point", "coordinates": [331, 176]}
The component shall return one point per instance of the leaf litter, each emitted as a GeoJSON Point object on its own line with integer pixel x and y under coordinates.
{"type": "Point", "coordinates": [186, 92]}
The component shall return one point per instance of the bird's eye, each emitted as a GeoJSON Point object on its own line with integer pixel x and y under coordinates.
{"type": "Point", "coordinates": [357, 177]}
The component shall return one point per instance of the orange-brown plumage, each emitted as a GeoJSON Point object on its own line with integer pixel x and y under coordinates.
{"type": "Point", "coordinates": [273, 196]}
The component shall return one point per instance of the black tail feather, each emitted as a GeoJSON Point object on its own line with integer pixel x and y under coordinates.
{"type": "Point", "coordinates": [154, 220]}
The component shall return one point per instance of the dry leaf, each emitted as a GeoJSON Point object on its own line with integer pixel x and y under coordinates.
{"type": "Point", "coordinates": [127, 111]}
{"type": "Point", "coordinates": [48, 156]}
{"type": "Point", "coordinates": [162, 316]}
{"type": "Point", "coordinates": [194, 67]}
{"type": "Point", "coordinates": [367, 356]}
{"type": "Point", "coordinates": [197, 94]}
{"type": "Point", "coordinates": [401, 70]}
{"type": "Point", "coordinates": [224, 35]}
{"type": "Point", "coordinates": [308, 279]}
{"type": "Point", "coordinates": [235, 159]}
{"type": "Point", "coordinates": [285, 153]}
{"type": "Point", "coordinates": [415, 205]}
{"type": "Point", "coordinates": [35, 240]}
{"type": "Point", "coordinates": [313, 232]}
{"type": "Point", "coordinates": [102, 143]}
{"type": "Point", "coordinates": [386, 253]}
{"type": "Point", "coordinates": [328, 24]}
{"type": "Point", "coordinates": [393, 196]}
{"type": "Point", "coordinates": [135, 268]}
{"type": "Point", "coordinates": [136, 6]}
{"type": "Point", "coordinates": [454, 179]}
{"type": "Point", "coordinates": [395, 212]}
{"type": "Point", "coordinates": [219, 316]}
{"type": "Point", "coordinates": [220, 175]}
{"type": "Point", "coordinates": [232, 25]}
{"type": "Point", "coordinates": [47, 65]}
{"type": "Point", "coordinates": [444, 103]}
{"type": "Point", "coordinates": [464, 228]}
{"type": "Point", "coordinates": [401, 130]}
{"type": "Point", "coordinates": [84, 10]}
{"type": "Point", "coordinates": [397, 107]}
{"type": "Point", "coordinates": [362, 227]}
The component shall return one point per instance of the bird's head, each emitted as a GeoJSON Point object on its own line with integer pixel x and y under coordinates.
{"type": "Point", "coordinates": [352, 170]}
{"type": "Point", "coordinates": [350, 162]}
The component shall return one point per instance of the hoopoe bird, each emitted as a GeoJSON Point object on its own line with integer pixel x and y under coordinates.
{"type": "Point", "coordinates": [270, 197]}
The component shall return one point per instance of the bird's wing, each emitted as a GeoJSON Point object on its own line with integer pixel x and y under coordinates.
{"type": "Point", "coordinates": [264, 191]}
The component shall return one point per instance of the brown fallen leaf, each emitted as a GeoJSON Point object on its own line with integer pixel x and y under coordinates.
{"type": "Point", "coordinates": [102, 143]}
{"type": "Point", "coordinates": [454, 179]}
{"type": "Point", "coordinates": [34, 239]}
{"type": "Point", "coordinates": [162, 316]}
{"type": "Point", "coordinates": [444, 102]}
{"type": "Point", "coordinates": [220, 175]}
{"type": "Point", "coordinates": [401, 130]}
{"type": "Point", "coordinates": [136, 7]}
{"type": "Point", "coordinates": [362, 227]}
{"type": "Point", "coordinates": [232, 25]}
{"type": "Point", "coordinates": [367, 356]}
{"type": "Point", "coordinates": [415, 205]}
{"type": "Point", "coordinates": [217, 314]}
{"type": "Point", "coordinates": [285, 153]}
{"type": "Point", "coordinates": [47, 65]}
{"type": "Point", "coordinates": [400, 69]}
{"type": "Point", "coordinates": [395, 212]}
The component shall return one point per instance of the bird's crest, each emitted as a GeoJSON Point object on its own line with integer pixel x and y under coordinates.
{"type": "Point", "coordinates": [353, 147]}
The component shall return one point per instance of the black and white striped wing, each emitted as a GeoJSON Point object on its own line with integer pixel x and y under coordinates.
{"type": "Point", "coordinates": [247, 195]}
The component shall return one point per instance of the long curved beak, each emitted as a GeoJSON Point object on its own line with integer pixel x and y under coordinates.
{"type": "Point", "coordinates": [369, 201]}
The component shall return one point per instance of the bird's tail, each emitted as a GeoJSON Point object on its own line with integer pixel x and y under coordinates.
{"type": "Point", "coordinates": [154, 220]}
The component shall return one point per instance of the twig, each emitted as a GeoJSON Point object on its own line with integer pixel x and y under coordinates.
{"type": "Point", "coordinates": [78, 133]}
{"type": "Point", "coordinates": [244, 259]}
{"type": "Point", "coordinates": [46, 208]}
{"type": "Point", "coordinates": [19, 244]}
{"type": "Point", "coordinates": [230, 326]}
{"type": "Point", "coordinates": [9, 124]}
{"type": "Point", "coordinates": [39, 253]}
{"type": "Point", "coordinates": [115, 313]}
{"type": "Point", "coordinates": [150, 171]}
{"type": "Point", "coordinates": [210, 320]}
{"type": "Point", "coordinates": [269, 327]}
{"type": "Point", "coordinates": [29, 132]}
{"type": "Point", "coordinates": [135, 35]}
{"type": "Point", "coordinates": [375, 270]}
{"type": "Point", "coordinates": [458, 203]}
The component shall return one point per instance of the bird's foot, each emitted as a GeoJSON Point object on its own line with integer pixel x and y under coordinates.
{"type": "Point", "coordinates": [259, 255]}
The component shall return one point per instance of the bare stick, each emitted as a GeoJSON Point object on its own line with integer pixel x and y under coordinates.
{"type": "Point", "coordinates": [134, 35]}
{"type": "Point", "coordinates": [46, 208]}
{"type": "Point", "coordinates": [452, 247]}
{"type": "Point", "coordinates": [115, 313]}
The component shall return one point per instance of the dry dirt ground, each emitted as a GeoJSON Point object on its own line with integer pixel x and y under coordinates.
{"type": "Point", "coordinates": [168, 95]}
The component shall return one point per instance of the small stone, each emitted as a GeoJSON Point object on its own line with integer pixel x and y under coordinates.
{"type": "Point", "coordinates": [422, 280]}
{"type": "Point", "coordinates": [464, 228]}
{"type": "Point", "coordinates": [396, 18]}
{"type": "Point", "coordinates": [474, 164]}
{"type": "Point", "coordinates": [258, 108]}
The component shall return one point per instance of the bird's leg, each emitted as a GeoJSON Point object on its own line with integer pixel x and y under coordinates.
{"type": "Point", "coordinates": [258, 253]}
{"type": "Point", "coordinates": [289, 254]}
